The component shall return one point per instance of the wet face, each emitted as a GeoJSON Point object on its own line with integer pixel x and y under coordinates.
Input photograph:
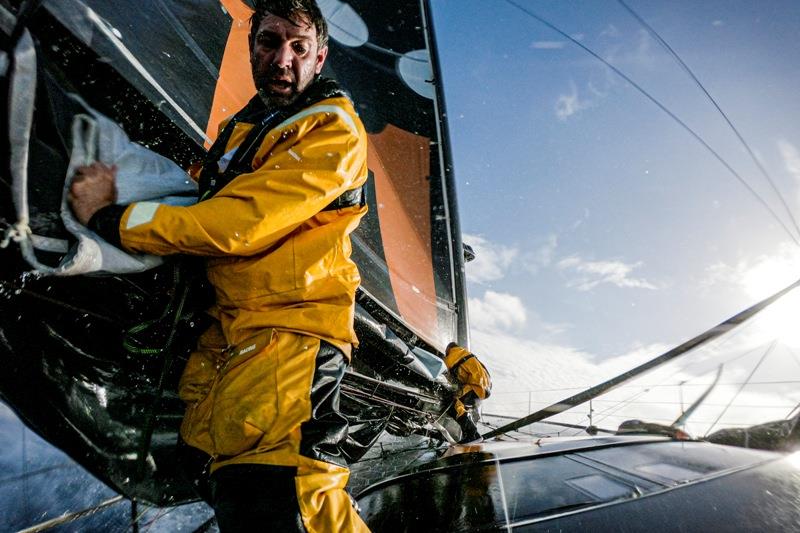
{"type": "Point", "coordinates": [285, 57]}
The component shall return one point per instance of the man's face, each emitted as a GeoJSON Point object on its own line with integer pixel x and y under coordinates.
{"type": "Point", "coordinates": [285, 57]}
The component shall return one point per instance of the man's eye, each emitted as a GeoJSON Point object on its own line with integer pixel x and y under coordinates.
{"type": "Point", "coordinates": [267, 41]}
{"type": "Point", "coordinates": [300, 48]}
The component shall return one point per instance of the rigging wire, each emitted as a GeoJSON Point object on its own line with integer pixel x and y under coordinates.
{"type": "Point", "coordinates": [612, 410]}
{"type": "Point", "coordinates": [632, 386]}
{"type": "Point", "coordinates": [730, 384]}
{"type": "Point", "coordinates": [717, 344]}
{"type": "Point", "coordinates": [178, 300]}
{"type": "Point", "coordinates": [358, 392]}
{"type": "Point", "coordinates": [619, 404]}
{"type": "Point", "coordinates": [668, 421]}
{"type": "Point", "coordinates": [736, 395]}
{"type": "Point", "coordinates": [71, 517]}
{"type": "Point", "coordinates": [549, 422]}
{"type": "Point", "coordinates": [709, 335]}
{"type": "Point", "coordinates": [692, 75]}
{"type": "Point", "coordinates": [709, 404]}
{"type": "Point", "coordinates": [617, 407]}
{"type": "Point", "coordinates": [159, 515]}
{"type": "Point", "coordinates": [605, 413]}
{"type": "Point", "coordinates": [763, 406]}
{"type": "Point", "coordinates": [794, 355]}
{"type": "Point", "coordinates": [663, 108]}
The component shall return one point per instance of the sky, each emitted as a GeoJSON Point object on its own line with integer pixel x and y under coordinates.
{"type": "Point", "coordinates": [606, 232]}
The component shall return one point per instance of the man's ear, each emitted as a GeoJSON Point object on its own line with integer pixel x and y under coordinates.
{"type": "Point", "coordinates": [322, 54]}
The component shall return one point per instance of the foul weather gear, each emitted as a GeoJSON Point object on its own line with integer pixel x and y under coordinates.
{"type": "Point", "coordinates": [272, 401]}
{"type": "Point", "coordinates": [279, 197]}
{"type": "Point", "coordinates": [475, 383]}
{"type": "Point", "coordinates": [276, 257]}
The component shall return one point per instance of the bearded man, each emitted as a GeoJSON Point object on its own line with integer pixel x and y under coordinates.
{"type": "Point", "coordinates": [280, 193]}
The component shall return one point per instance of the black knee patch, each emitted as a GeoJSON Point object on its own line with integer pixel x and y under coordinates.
{"type": "Point", "coordinates": [323, 435]}
{"type": "Point", "coordinates": [252, 497]}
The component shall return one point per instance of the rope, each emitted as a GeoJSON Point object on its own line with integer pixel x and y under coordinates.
{"type": "Point", "coordinates": [147, 432]}
{"type": "Point", "coordinates": [128, 342]}
{"type": "Point", "coordinates": [71, 517]}
{"type": "Point", "coordinates": [17, 232]}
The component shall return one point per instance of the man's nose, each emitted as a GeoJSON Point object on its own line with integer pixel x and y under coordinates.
{"type": "Point", "coordinates": [283, 55]}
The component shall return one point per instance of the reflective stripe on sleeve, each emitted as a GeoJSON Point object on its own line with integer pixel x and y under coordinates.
{"type": "Point", "coordinates": [313, 110]}
{"type": "Point", "coordinates": [141, 213]}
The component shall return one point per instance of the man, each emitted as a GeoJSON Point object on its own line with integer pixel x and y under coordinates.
{"type": "Point", "coordinates": [475, 385]}
{"type": "Point", "coordinates": [280, 192]}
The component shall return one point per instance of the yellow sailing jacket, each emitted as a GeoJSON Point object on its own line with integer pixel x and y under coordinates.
{"type": "Point", "coordinates": [470, 373]}
{"type": "Point", "coordinates": [275, 258]}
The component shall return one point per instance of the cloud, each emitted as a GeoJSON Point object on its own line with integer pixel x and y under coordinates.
{"type": "Point", "coordinates": [644, 54]}
{"type": "Point", "coordinates": [636, 53]}
{"type": "Point", "coordinates": [492, 260]}
{"type": "Point", "coordinates": [570, 104]}
{"type": "Point", "coordinates": [497, 310]}
{"type": "Point", "coordinates": [717, 23]}
{"type": "Point", "coordinates": [760, 276]}
{"type": "Point", "coordinates": [590, 274]}
{"type": "Point", "coordinates": [529, 375]}
{"type": "Point", "coordinates": [610, 31]}
{"type": "Point", "coordinates": [541, 257]}
{"type": "Point", "coordinates": [548, 45]}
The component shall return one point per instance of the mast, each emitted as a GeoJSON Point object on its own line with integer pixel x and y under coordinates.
{"type": "Point", "coordinates": [449, 184]}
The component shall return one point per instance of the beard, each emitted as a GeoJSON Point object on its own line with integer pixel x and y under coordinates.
{"type": "Point", "coordinates": [272, 84]}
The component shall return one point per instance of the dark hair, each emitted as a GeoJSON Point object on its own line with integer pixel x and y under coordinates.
{"type": "Point", "coordinates": [292, 10]}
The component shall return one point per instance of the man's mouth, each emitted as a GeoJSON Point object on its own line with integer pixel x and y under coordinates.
{"type": "Point", "coordinates": [279, 84]}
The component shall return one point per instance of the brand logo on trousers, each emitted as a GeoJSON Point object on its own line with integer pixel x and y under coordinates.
{"type": "Point", "coordinates": [247, 349]}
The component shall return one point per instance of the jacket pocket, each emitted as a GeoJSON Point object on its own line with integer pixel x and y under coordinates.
{"type": "Point", "coordinates": [245, 400]}
{"type": "Point", "coordinates": [242, 278]}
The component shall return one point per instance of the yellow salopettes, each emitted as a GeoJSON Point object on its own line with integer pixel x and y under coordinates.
{"type": "Point", "coordinates": [280, 266]}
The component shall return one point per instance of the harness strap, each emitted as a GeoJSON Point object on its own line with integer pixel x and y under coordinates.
{"type": "Point", "coordinates": [212, 181]}
{"type": "Point", "coordinates": [460, 362]}
{"type": "Point", "coordinates": [351, 198]}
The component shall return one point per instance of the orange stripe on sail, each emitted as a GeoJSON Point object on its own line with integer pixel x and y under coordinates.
{"type": "Point", "coordinates": [400, 162]}
{"type": "Point", "coordinates": [235, 84]}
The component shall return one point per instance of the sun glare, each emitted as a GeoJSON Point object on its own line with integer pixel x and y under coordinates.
{"type": "Point", "coordinates": [780, 320]}
{"type": "Point", "coordinates": [794, 460]}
